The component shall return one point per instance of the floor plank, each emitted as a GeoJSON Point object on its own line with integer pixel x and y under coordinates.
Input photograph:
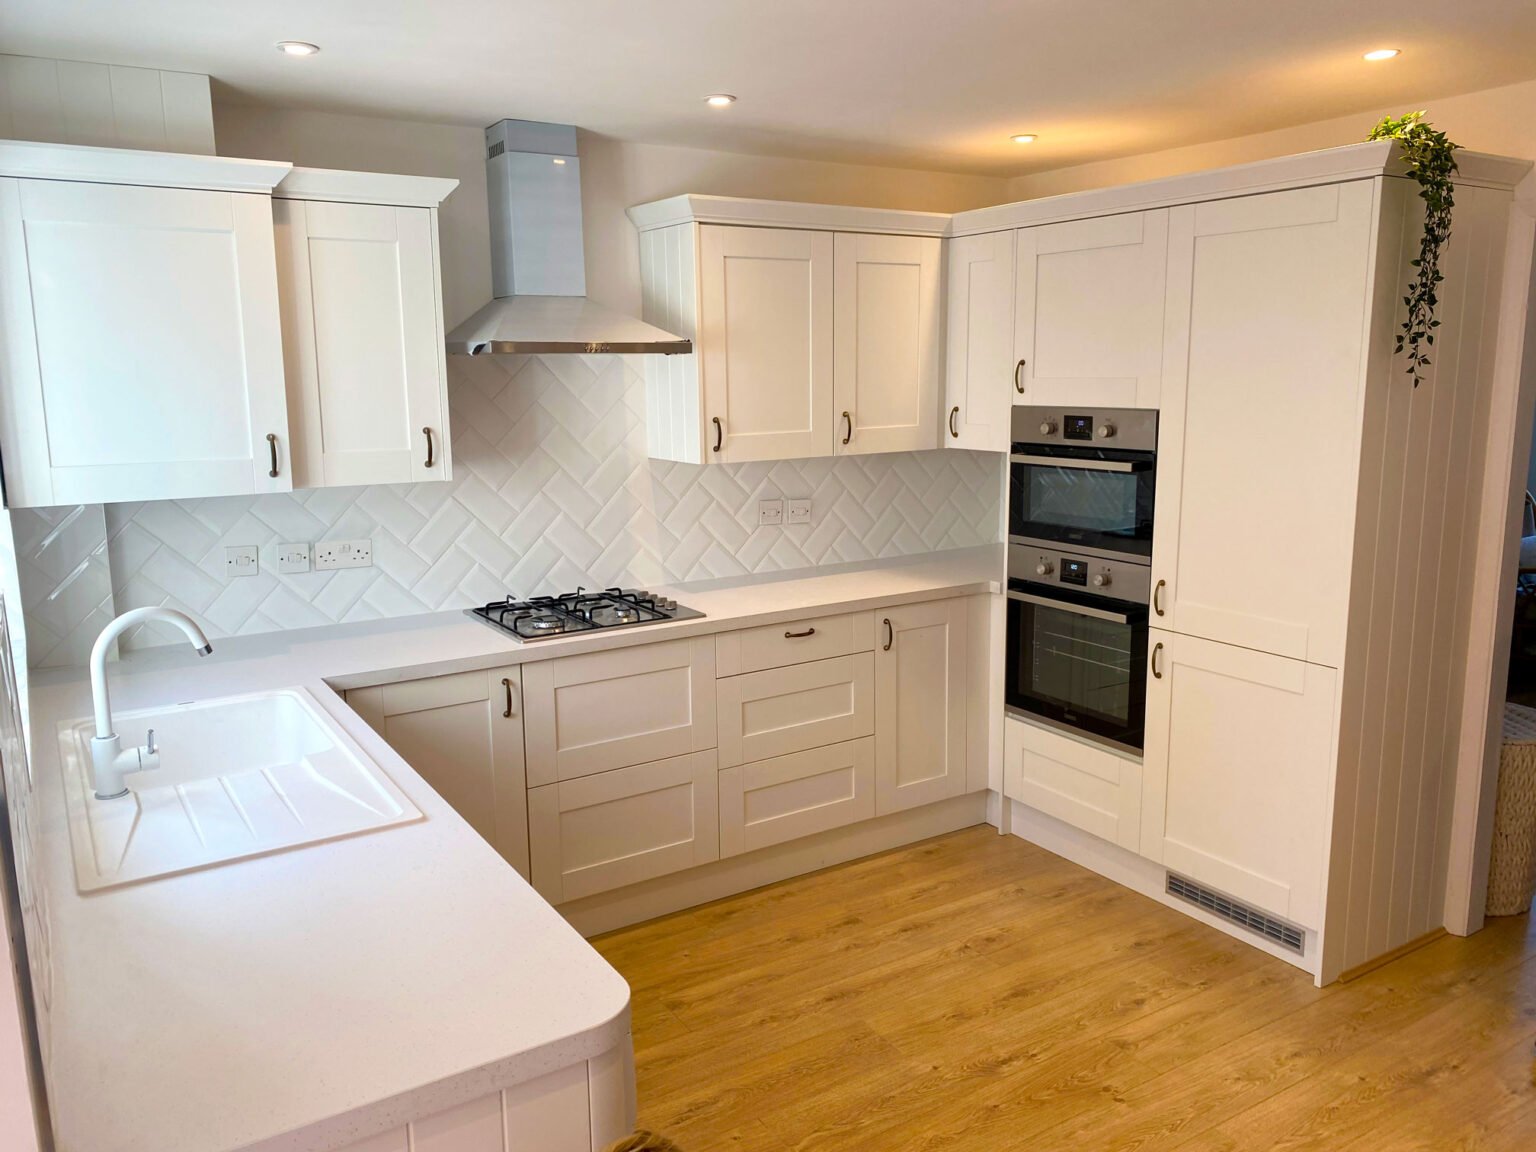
{"type": "Point", "coordinates": [976, 992]}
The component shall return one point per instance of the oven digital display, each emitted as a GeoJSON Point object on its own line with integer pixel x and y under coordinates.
{"type": "Point", "coordinates": [1076, 427]}
{"type": "Point", "coordinates": [1074, 572]}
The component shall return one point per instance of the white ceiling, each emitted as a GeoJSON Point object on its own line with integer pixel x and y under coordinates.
{"type": "Point", "coordinates": [924, 83]}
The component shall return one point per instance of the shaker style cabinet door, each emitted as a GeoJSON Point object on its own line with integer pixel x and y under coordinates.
{"type": "Point", "coordinates": [1237, 771]}
{"type": "Point", "coordinates": [363, 342]}
{"type": "Point", "coordinates": [463, 734]}
{"type": "Point", "coordinates": [765, 342]}
{"type": "Point", "coordinates": [979, 385]}
{"type": "Point", "coordinates": [1088, 328]}
{"type": "Point", "coordinates": [920, 704]}
{"type": "Point", "coordinates": [886, 378]}
{"type": "Point", "coordinates": [139, 343]}
{"type": "Point", "coordinates": [1259, 431]}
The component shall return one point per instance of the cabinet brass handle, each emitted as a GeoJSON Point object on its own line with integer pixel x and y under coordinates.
{"type": "Point", "coordinates": [890, 636]}
{"type": "Point", "coordinates": [1157, 597]}
{"type": "Point", "coordinates": [427, 432]}
{"type": "Point", "coordinates": [797, 635]}
{"type": "Point", "coordinates": [272, 448]}
{"type": "Point", "coordinates": [1156, 651]}
{"type": "Point", "coordinates": [953, 413]}
{"type": "Point", "coordinates": [719, 434]}
{"type": "Point", "coordinates": [847, 427]}
{"type": "Point", "coordinates": [507, 684]}
{"type": "Point", "coordinates": [1018, 377]}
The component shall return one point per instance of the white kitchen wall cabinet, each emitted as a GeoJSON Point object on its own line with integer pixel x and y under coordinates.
{"type": "Point", "coordinates": [1088, 327]}
{"type": "Point", "coordinates": [1312, 583]}
{"type": "Point", "coordinates": [798, 313]}
{"type": "Point", "coordinates": [978, 380]}
{"type": "Point", "coordinates": [1253, 555]}
{"type": "Point", "coordinates": [765, 342]}
{"type": "Point", "coordinates": [920, 704]}
{"type": "Point", "coordinates": [887, 318]}
{"type": "Point", "coordinates": [362, 313]}
{"type": "Point", "coordinates": [139, 330]}
{"type": "Point", "coordinates": [1239, 759]}
{"type": "Point", "coordinates": [604, 831]}
{"type": "Point", "coordinates": [605, 710]}
{"type": "Point", "coordinates": [463, 734]}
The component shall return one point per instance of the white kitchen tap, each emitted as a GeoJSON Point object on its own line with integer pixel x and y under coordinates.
{"type": "Point", "coordinates": [108, 757]}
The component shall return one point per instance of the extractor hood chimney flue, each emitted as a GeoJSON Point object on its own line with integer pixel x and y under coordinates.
{"type": "Point", "coordinates": [538, 269]}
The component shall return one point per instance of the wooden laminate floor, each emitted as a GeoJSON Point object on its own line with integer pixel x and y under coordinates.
{"type": "Point", "coordinates": [976, 992]}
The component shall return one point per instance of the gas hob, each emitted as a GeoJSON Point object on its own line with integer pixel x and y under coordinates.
{"type": "Point", "coordinates": [545, 617]}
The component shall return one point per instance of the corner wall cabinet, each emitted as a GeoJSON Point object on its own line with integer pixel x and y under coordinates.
{"type": "Point", "coordinates": [1311, 586]}
{"type": "Point", "coordinates": [817, 329]}
{"type": "Point", "coordinates": [978, 379]}
{"type": "Point", "coordinates": [151, 350]}
{"type": "Point", "coordinates": [139, 334]}
{"type": "Point", "coordinates": [362, 311]}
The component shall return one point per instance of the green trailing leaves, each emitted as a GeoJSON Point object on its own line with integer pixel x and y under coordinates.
{"type": "Point", "coordinates": [1431, 160]}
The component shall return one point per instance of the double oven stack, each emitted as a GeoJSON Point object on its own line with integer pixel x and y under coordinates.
{"type": "Point", "coordinates": [1079, 569]}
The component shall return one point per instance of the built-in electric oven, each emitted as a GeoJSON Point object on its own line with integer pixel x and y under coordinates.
{"type": "Point", "coordinates": [1079, 570]}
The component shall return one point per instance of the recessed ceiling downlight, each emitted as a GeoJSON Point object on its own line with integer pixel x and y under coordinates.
{"type": "Point", "coordinates": [720, 100]}
{"type": "Point", "coordinates": [1383, 53]}
{"type": "Point", "coordinates": [1024, 138]}
{"type": "Point", "coordinates": [297, 47]}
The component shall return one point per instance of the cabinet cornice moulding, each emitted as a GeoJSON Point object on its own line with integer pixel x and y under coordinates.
{"type": "Point", "coordinates": [364, 187]}
{"type": "Point", "coordinates": [699, 209]}
{"type": "Point", "coordinates": [38, 161]}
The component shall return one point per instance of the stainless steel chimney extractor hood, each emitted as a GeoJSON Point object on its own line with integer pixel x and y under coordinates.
{"type": "Point", "coordinates": [538, 271]}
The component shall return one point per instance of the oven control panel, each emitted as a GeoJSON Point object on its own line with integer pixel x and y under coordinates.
{"type": "Point", "coordinates": [1127, 429]}
{"type": "Point", "coordinates": [1038, 562]}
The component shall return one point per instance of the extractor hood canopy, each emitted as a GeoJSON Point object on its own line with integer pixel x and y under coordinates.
{"type": "Point", "coordinates": [538, 269]}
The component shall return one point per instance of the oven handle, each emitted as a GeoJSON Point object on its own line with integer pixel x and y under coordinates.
{"type": "Point", "coordinates": [1065, 606]}
{"type": "Point", "coordinates": [1083, 462]}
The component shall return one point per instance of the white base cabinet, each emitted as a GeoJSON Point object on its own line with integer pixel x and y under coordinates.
{"type": "Point", "coordinates": [1078, 783]}
{"type": "Point", "coordinates": [463, 734]}
{"type": "Point", "coordinates": [1239, 763]}
{"type": "Point", "coordinates": [800, 706]}
{"type": "Point", "coordinates": [599, 832]}
{"type": "Point", "coordinates": [774, 801]}
{"type": "Point", "coordinates": [920, 704]}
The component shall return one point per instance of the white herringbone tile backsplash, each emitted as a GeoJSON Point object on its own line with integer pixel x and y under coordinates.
{"type": "Point", "coordinates": [552, 488]}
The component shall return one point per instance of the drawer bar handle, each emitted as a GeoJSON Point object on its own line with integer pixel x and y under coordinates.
{"type": "Point", "coordinates": [428, 433]}
{"type": "Point", "coordinates": [272, 448]}
{"type": "Point", "coordinates": [797, 635]}
{"type": "Point", "coordinates": [1018, 377]}
{"type": "Point", "coordinates": [719, 434]}
{"type": "Point", "coordinates": [847, 427]}
{"type": "Point", "coordinates": [1157, 597]}
{"type": "Point", "coordinates": [953, 431]}
{"type": "Point", "coordinates": [890, 636]}
{"type": "Point", "coordinates": [507, 684]}
{"type": "Point", "coordinates": [1156, 652]}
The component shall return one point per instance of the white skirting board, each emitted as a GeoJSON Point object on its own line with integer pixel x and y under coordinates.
{"type": "Point", "coordinates": [1140, 875]}
{"type": "Point", "coordinates": [652, 898]}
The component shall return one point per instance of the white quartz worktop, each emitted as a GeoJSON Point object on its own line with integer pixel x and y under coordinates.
{"type": "Point", "coordinates": [294, 1002]}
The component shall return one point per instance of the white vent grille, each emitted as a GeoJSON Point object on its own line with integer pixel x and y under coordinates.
{"type": "Point", "coordinates": [1260, 924]}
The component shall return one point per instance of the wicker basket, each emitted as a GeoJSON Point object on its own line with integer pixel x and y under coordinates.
{"type": "Point", "coordinates": [1512, 866]}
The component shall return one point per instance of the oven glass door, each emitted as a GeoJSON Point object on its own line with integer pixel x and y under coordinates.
{"type": "Point", "coordinates": [1078, 660]}
{"type": "Point", "coordinates": [1103, 501]}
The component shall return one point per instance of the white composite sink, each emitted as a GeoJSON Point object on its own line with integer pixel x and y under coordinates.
{"type": "Point", "coordinates": [239, 776]}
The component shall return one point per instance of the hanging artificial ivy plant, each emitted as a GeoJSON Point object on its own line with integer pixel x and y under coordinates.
{"type": "Point", "coordinates": [1431, 161]}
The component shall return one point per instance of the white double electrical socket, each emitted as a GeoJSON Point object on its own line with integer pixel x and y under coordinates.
{"type": "Point", "coordinates": [799, 510]}
{"type": "Point", "coordinates": [343, 554]}
{"type": "Point", "coordinates": [770, 513]}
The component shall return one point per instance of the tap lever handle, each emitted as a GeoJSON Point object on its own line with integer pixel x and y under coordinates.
{"type": "Point", "coordinates": [149, 743]}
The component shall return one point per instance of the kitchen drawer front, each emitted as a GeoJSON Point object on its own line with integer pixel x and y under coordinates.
{"type": "Point", "coordinates": [782, 710]}
{"type": "Point", "coordinates": [605, 710]}
{"type": "Point", "coordinates": [771, 801]}
{"type": "Point", "coordinates": [602, 832]}
{"type": "Point", "coordinates": [794, 642]}
{"type": "Point", "coordinates": [1084, 785]}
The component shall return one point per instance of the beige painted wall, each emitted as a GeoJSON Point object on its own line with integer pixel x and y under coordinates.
{"type": "Point", "coordinates": [1500, 120]}
{"type": "Point", "coordinates": [615, 174]}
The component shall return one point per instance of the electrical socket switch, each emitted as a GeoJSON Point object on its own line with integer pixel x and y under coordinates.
{"type": "Point", "coordinates": [293, 557]}
{"type": "Point", "coordinates": [241, 560]}
{"type": "Point", "coordinates": [799, 511]}
{"type": "Point", "coordinates": [331, 554]}
{"type": "Point", "coordinates": [770, 513]}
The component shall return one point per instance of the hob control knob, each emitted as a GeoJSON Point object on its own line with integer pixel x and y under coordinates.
{"type": "Point", "coordinates": [1044, 568]}
{"type": "Point", "coordinates": [1106, 430]}
{"type": "Point", "coordinates": [1047, 427]}
{"type": "Point", "coordinates": [1101, 580]}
